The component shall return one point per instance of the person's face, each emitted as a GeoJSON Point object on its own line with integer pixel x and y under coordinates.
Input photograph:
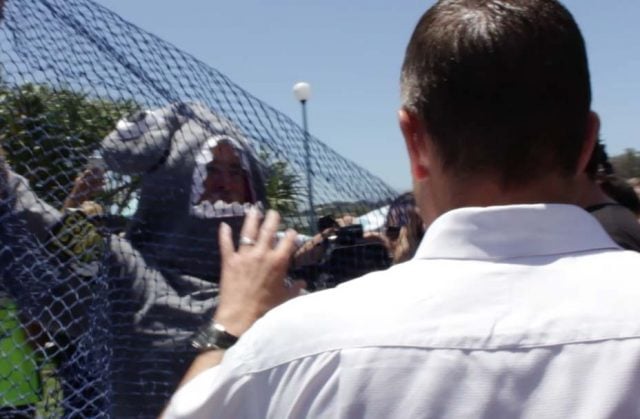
{"type": "Point", "coordinates": [403, 235]}
{"type": "Point", "coordinates": [226, 179]}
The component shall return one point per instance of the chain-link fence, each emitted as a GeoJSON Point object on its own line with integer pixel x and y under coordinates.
{"type": "Point", "coordinates": [122, 156]}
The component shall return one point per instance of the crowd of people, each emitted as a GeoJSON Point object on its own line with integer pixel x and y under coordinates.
{"type": "Point", "coordinates": [503, 285]}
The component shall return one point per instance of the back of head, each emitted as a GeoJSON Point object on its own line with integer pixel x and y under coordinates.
{"type": "Point", "coordinates": [502, 87]}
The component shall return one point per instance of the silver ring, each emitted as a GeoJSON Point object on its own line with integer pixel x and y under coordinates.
{"type": "Point", "coordinates": [288, 283]}
{"type": "Point", "coordinates": [244, 240]}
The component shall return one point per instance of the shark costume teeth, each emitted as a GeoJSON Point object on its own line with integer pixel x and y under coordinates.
{"type": "Point", "coordinates": [221, 209]}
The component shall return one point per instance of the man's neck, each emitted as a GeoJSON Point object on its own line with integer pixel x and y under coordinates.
{"type": "Point", "coordinates": [487, 192]}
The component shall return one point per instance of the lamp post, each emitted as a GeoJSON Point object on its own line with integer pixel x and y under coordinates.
{"type": "Point", "coordinates": [302, 92]}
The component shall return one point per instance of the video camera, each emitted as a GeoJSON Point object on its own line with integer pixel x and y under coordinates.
{"type": "Point", "coordinates": [347, 255]}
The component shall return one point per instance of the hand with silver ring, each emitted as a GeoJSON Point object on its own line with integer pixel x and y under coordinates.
{"type": "Point", "coordinates": [254, 278]}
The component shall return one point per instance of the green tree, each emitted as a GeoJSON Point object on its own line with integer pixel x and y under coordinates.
{"type": "Point", "coordinates": [283, 187]}
{"type": "Point", "coordinates": [627, 165]}
{"type": "Point", "coordinates": [49, 134]}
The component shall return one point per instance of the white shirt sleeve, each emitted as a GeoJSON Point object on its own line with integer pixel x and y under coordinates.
{"type": "Point", "coordinates": [214, 393]}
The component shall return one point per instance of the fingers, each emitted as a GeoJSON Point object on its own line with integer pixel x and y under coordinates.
{"type": "Point", "coordinates": [94, 171]}
{"type": "Point", "coordinates": [265, 237]}
{"type": "Point", "coordinates": [225, 241]}
{"type": "Point", "coordinates": [92, 175]}
{"type": "Point", "coordinates": [250, 226]}
{"type": "Point", "coordinates": [287, 245]}
{"type": "Point", "coordinates": [268, 230]}
{"type": "Point", "coordinates": [89, 181]}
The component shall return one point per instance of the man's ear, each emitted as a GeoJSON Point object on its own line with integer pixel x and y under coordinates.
{"type": "Point", "coordinates": [591, 138]}
{"type": "Point", "coordinates": [414, 136]}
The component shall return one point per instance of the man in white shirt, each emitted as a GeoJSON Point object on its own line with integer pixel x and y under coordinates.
{"type": "Point", "coordinates": [516, 304]}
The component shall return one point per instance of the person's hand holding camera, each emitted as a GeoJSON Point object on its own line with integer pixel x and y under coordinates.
{"type": "Point", "coordinates": [86, 187]}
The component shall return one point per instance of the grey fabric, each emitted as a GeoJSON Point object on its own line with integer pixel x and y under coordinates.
{"type": "Point", "coordinates": [39, 216]}
{"type": "Point", "coordinates": [165, 305]}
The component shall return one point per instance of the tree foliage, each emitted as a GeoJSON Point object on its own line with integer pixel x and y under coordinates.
{"type": "Point", "coordinates": [627, 164]}
{"type": "Point", "coordinates": [283, 188]}
{"type": "Point", "coordinates": [49, 134]}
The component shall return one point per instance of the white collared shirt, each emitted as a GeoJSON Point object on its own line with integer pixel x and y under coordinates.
{"type": "Point", "coordinates": [516, 311]}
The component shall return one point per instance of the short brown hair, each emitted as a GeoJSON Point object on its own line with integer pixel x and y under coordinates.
{"type": "Point", "coordinates": [502, 87]}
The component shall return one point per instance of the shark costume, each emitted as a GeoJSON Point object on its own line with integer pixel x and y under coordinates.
{"type": "Point", "coordinates": [168, 263]}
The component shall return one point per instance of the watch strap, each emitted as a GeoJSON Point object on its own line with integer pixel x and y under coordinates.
{"type": "Point", "coordinates": [213, 336]}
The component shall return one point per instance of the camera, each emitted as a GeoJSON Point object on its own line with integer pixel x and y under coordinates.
{"type": "Point", "coordinates": [347, 255]}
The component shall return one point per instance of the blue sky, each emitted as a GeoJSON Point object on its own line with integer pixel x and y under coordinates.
{"type": "Point", "coordinates": [351, 52]}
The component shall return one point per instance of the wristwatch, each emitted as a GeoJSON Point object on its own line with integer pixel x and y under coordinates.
{"type": "Point", "coordinates": [213, 336]}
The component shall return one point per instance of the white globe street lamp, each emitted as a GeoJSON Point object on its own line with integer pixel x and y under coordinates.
{"type": "Point", "coordinates": [302, 92]}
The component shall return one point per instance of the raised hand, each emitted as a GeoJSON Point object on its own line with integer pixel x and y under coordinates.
{"type": "Point", "coordinates": [253, 279]}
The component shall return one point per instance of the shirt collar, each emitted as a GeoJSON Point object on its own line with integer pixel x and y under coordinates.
{"type": "Point", "coordinates": [512, 231]}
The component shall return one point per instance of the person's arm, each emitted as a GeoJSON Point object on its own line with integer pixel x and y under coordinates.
{"type": "Point", "coordinates": [311, 251]}
{"type": "Point", "coordinates": [252, 280]}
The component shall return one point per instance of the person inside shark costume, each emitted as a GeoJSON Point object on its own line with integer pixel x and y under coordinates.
{"type": "Point", "coordinates": [197, 171]}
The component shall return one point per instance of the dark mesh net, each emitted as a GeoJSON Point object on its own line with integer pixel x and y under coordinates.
{"type": "Point", "coordinates": [122, 156]}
